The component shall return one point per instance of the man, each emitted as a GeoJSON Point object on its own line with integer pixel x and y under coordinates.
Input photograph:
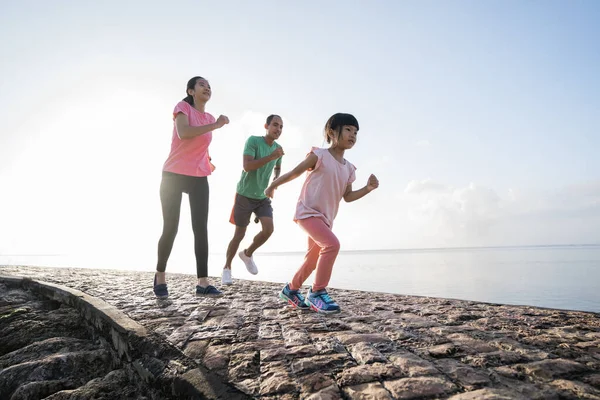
{"type": "Point", "coordinates": [262, 156]}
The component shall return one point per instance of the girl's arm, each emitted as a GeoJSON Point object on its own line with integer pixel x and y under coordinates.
{"type": "Point", "coordinates": [309, 162]}
{"type": "Point", "coordinates": [371, 185]}
{"type": "Point", "coordinates": [185, 131]}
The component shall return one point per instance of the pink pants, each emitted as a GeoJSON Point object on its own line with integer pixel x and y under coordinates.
{"type": "Point", "coordinates": [323, 248]}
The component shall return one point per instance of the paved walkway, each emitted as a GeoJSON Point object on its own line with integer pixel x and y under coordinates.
{"type": "Point", "coordinates": [381, 346]}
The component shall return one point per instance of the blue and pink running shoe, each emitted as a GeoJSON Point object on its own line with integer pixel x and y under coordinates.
{"type": "Point", "coordinates": [320, 301]}
{"type": "Point", "coordinates": [293, 297]}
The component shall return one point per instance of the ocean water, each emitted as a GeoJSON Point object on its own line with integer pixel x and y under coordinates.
{"type": "Point", "coordinates": [564, 277]}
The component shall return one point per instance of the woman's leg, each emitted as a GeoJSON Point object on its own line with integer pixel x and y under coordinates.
{"type": "Point", "coordinates": [199, 195]}
{"type": "Point", "coordinates": [170, 199]}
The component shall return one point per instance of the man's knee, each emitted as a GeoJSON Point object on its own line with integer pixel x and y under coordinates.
{"type": "Point", "coordinates": [268, 230]}
{"type": "Point", "coordinates": [239, 234]}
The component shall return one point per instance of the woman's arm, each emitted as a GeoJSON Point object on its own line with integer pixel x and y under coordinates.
{"type": "Point", "coordinates": [185, 131]}
{"type": "Point", "coordinates": [309, 162]}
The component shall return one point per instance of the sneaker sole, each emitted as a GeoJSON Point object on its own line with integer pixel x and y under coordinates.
{"type": "Point", "coordinates": [209, 295]}
{"type": "Point", "coordinates": [316, 309]}
{"type": "Point", "coordinates": [227, 283]}
{"type": "Point", "coordinates": [290, 302]}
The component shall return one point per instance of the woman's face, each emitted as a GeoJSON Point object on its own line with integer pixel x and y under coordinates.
{"type": "Point", "coordinates": [201, 90]}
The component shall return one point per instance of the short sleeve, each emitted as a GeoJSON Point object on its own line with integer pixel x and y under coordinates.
{"type": "Point", "coordinates": [250, 147]}
{"type": "Point", "coordinates": [352, 176]}
{"type": "Point", "coordinates": [319, 153]}
{"type": "Point", "coordinates": [278, 162]}
{"type": "Point", "coordinates": [181, 107]}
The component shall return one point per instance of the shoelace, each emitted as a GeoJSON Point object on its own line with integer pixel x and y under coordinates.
{"type": "Point", "coordinates": [326, 298]}
{"type": "Point", "coordinates": [296, 293]}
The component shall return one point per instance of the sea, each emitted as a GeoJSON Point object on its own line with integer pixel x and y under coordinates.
{"type": "Point", "coordinates": [563, 277]}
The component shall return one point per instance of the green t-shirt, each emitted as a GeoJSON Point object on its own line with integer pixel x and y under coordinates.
{"type": "Point", "coordinates": [253, 184]}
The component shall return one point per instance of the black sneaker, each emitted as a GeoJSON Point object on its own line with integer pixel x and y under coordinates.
{"type": "Point", "coordinates": [208, 291]}
{"type": "Point", "coordinates": [160, 291]}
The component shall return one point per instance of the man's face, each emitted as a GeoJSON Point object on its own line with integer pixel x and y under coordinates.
{"type": "Point", "coordinates": [274, 128]}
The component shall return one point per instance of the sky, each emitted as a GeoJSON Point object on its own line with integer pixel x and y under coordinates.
{"type": "Point", "coordinates": [480, 119]}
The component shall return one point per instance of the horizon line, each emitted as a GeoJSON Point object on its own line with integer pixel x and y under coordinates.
{"type": "Point", "coordinates": [376, 250]}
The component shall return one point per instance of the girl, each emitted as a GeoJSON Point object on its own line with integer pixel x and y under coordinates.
{"type": "Point", "coordinates": [329, 180]}
{"type": "Point", "coordinates": [186, 170]}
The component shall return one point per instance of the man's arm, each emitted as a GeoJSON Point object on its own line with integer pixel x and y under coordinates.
{"type": "Point", "coordinates": [251, 164]}
{"type": "Point", "coordinates": [276, 172]}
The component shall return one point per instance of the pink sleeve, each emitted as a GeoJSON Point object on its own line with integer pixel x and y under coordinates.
{"type": "Point", "coordinates": [352, 177]}
{"type": "Point", "coordinates": [181, 107]}
{"type": "Point", "coordinates": [319, 153]}
{"type": "Point", "coordinates": [210, 118]}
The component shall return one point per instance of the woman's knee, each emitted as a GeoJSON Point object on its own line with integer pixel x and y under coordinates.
{"type": "Point", "coordinates": [170, 231]}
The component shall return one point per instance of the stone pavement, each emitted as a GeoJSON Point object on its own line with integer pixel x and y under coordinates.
{"type": "Point", "coordinates": [381, 346]}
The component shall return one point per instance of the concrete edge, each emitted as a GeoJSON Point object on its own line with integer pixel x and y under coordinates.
{"type": "Point", "coordinates": [122, 330]}
{"type": "Point", "coordinates": [127, 337]}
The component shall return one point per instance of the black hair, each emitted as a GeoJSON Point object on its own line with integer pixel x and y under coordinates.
{"type": "Point", "coordinates": [336, 122]}
{"type": "Point", "coordinates": [270, 118]}
{"type": "Point", "coordinates": [191, 85]}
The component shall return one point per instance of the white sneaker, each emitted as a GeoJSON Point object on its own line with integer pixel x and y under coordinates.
{"type": "Point", "coordinates": [226, 277]}
{"type": "Point", "coordinates": [250, 266]}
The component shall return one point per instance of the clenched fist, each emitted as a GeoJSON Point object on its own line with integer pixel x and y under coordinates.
{"type": "Point", "coordinates": [372, 183]}
{"type": "Point", "coordinates": [278, 152]}
{"type": "Point", "coordinates": [222, 120]}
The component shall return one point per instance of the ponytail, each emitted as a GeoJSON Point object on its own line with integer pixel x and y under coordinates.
{"type": "Point", "coordinates": [189, 99]}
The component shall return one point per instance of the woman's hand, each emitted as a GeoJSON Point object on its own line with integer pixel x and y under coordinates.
{"type": "Point", "coordinates": [222, 120]}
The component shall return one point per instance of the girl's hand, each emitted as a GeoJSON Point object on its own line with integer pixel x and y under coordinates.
{"type": "Point", "coordinates": [372, 183]}
{"type": "Point", "coordinates": [270, 191]}
{"type": "Point", "coordinates": [222, 120]}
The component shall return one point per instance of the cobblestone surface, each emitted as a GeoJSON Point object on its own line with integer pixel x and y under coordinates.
{"type": "Point", "coordinates": [381, 346]}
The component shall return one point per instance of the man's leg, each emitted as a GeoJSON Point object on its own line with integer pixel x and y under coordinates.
{"type": "Point", "coordinates": [262, 236]}
{"type": "Point", "coordinates": [234, 245]}
{"type": "Point", "coordinates": [264, 212]}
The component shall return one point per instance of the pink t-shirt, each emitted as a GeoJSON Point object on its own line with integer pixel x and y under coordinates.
{"type": "Point", "coordinates": [324, 187]}
{"type": "Point", "coordinates": [190, 156]}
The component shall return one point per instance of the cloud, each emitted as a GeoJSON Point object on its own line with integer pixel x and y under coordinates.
{"type": "Point", "coordinates": [426, 185]}
{"type": "Point", "coordinates": [423, 143]}
{"type": "Point", "coordinates": [476, 215]}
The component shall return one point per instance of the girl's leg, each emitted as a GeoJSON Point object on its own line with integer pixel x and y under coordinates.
{"type": "Point", "coordinates": [329, 247]}
{"type": "Point", "coordinates": [170, 199]}
{"type": "Point", "coordinates": [308, 266]}
{"type": "Point", "coordinates": [198, 194]}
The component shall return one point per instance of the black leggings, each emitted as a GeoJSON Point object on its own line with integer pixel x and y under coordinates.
{"type": "Point", "coordinates": [171, 188]}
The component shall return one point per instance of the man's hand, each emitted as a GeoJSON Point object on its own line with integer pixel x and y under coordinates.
{"type": "Point", "coordinates": [278, 152]}
{"type": "Point", "coordinates": [222, 120]}
{"type": "Point", "coordinates": [372, 183]}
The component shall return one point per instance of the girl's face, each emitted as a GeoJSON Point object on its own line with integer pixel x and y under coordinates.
{"type": "Point", "coordinates": [201, 90]}
{"type": "Point", "coordinates": [347, 138]}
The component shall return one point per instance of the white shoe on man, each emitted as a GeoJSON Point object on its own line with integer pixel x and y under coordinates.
{"type": "Point", "coordinates": [250, 266]}
{"type": "Point", "coordinates": [226, 277]}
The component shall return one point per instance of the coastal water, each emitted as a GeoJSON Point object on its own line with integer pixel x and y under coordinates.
{"type": "Point", "coordinates": [565, 277]}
